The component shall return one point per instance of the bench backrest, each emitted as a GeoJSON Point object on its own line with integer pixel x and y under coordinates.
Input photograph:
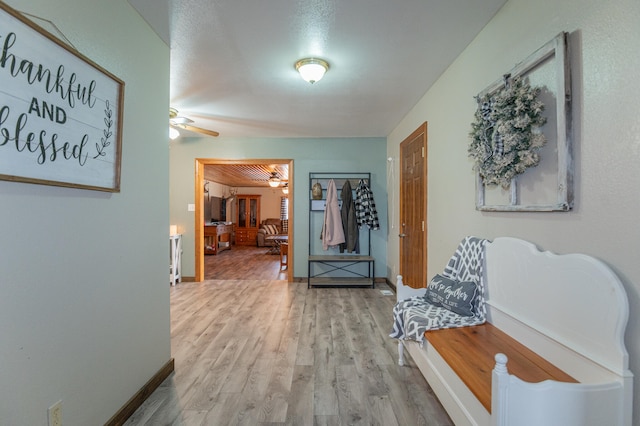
{"type": "Point", "coordinates": [571, 309]}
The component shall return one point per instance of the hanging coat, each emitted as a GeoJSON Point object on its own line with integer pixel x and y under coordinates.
{"type": "Point", "coordinates": [332, 233]}
{"type": "Point", "coordinates": [366, 213]}
{"type": "Point", "coordinates": [349, 222]}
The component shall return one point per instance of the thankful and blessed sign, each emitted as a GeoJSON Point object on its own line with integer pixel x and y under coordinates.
{"type": "Point", "coordinates": [60, 114]}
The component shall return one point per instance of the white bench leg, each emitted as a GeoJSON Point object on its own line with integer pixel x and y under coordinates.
{"type": "Point", "coordinates": [400, 353]}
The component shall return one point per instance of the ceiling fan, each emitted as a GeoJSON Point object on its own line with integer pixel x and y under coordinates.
{"type": "Point", "coordinates": [178, 121]}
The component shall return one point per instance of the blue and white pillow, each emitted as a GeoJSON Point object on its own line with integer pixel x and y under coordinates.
{"type": "Point", "coordinates": [455, 296]}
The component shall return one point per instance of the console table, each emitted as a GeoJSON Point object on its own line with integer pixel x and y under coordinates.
{"type": "Point", "coordinates": [277, 241]}
{"type": "Point", "coordinates": [217, 238]}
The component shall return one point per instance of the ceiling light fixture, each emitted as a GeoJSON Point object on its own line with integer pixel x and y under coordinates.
{"type": "Point", "coordinates": [312, 69]}
{"type": "Point", "coordinates": [274, 181]}
{"type": "Point", "coordinates": [173, 133]}
{"type": "Point", "coordinates": [285, 189]}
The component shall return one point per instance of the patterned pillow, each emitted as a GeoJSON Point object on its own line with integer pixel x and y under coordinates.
{"type": "Point", "coordinates": [271, 229]}
{"type": "Point", "coordinates": [455, 296]}
{"type": "Point", "coordinates": [285, 226]}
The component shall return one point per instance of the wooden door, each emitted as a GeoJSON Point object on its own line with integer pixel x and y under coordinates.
{"type": "Point", "coordinates": [413, 208]}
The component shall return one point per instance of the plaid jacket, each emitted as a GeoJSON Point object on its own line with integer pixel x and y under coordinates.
{"type": "Point", "coordinates": [366, 214]}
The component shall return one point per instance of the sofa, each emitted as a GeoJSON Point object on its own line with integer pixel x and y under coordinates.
{"type": "Point", "coordinates": [271, 226]}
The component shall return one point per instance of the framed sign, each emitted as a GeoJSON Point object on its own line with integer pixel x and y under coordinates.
{"type": "Point", "coordinates": [60, 113]}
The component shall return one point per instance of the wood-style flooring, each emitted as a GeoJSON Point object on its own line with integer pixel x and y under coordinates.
{"type": "Point", "coordinates": [244, 263]}
{"type": "Point", "coordinates": [266, 352]}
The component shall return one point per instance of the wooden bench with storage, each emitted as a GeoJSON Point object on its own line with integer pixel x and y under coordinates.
{"type": "Point", "coordinates": [551, 352]}
{"type": "Point", "coordinates": [470, 351]}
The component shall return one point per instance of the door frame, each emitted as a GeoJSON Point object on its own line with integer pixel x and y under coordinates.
{"type": "Point", "coordinates": [200, 164]}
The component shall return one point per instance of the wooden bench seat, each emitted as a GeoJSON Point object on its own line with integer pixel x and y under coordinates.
{"type": "Point", "coordinates": [570, 311]}
{"type": "Point", "coordinates": [470, 351]}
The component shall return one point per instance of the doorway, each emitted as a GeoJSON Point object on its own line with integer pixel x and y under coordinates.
{"type": "Point", "coordinates": [199, 207]}
{"type": "Point", "coordinates": [413, 208]}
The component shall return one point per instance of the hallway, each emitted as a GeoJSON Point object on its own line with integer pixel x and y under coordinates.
{"type": "Point", "coordinates": [268, 352]}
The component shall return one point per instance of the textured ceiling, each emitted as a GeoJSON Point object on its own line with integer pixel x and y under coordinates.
{"type": "Point", "coordinates": [232, 61]}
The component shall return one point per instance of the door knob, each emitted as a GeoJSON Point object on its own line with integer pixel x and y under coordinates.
{"type": "Point", "coordinates": [402, 235]}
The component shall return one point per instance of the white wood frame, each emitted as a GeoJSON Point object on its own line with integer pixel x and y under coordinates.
{"type": "Point", "coordinates": [556, 50]}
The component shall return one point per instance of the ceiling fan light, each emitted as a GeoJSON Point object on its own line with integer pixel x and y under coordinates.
{"type": "Point", "coordinates": [312, 69]}
{"type": "Point", "coordinates": [173, 133]}
{"type": "Point", "coordinates": [285, 189]}
{"type": "Point", "coordinates": [274, 181]}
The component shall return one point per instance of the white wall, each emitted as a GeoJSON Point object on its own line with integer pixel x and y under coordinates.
{"type": "Point", "coordinates": [606, 95]}
{"type": "Point", "coordinates": [356, 155]}
{"type": "Point", "coordinates": [84, 294]}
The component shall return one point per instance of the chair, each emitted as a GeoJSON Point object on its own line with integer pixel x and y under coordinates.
{"type": "Point", "coordinates": [284, 255]}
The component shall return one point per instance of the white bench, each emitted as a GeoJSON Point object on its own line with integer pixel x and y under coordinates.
{"type": "Point", "coordinates": [571, 310]}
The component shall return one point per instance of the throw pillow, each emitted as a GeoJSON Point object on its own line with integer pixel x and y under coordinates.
{"type": "Point", "coordinates": [455, 296]}
{"type": "Point", "coordinates": [271, 229]}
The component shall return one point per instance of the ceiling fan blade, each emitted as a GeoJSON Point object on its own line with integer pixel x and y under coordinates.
{"type": "Point", "coordinates": [185, 123]}
{"type": "Point", "coordinates": [199, 130]}
{"type": "Point", "coordinates": [176, 121]}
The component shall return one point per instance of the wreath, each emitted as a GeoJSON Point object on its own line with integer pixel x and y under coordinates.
{"type": "Point", "coordinates": [506, 133]}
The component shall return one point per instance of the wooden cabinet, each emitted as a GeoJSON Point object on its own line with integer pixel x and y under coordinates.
{"type": "Point", "coordinates": [217, 238]}
{"type": "Point", "coordinates": [247, 219]}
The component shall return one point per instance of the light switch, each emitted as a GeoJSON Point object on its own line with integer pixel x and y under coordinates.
{"type": "Point", "coordinates": [191, 207]}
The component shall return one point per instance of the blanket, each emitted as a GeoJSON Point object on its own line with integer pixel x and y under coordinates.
{"type": "Point", "coordinates": [413, 316]}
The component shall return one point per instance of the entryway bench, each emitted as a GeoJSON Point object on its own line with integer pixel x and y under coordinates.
{"type": "Point", "coordinates": [552, 350]}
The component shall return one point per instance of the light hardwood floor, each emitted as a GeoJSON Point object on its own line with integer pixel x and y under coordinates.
{"type": "Point", "coordinates": [268, 352]}
{"type": "Point", "coordinates": [244, 263]}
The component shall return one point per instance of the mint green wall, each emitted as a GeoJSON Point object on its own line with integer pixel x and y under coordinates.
{"type": "Point", "coordinates": [309, 155]}
{"type": "Point", "coordinates": [84, 289]}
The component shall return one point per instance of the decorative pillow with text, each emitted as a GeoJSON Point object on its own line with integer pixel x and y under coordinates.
{"type": "Point", "coordinates": [455, 296]}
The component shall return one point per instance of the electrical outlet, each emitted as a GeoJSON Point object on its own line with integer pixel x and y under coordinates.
{"type": "Point", "coordinates": [55, 414]}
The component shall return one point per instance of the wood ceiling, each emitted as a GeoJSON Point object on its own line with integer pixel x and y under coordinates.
{"type": "Point", "coordinates": [245, 175]}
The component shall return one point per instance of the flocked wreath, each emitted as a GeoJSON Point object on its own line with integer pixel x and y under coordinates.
{"type": "Point", "coordinates": [506, 133]}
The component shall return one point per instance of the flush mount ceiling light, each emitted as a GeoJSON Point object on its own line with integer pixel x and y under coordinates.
{"type": "Point", "coordinates": [274, 180]}
{"type": "Point", "coordinates": [312, 69]}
